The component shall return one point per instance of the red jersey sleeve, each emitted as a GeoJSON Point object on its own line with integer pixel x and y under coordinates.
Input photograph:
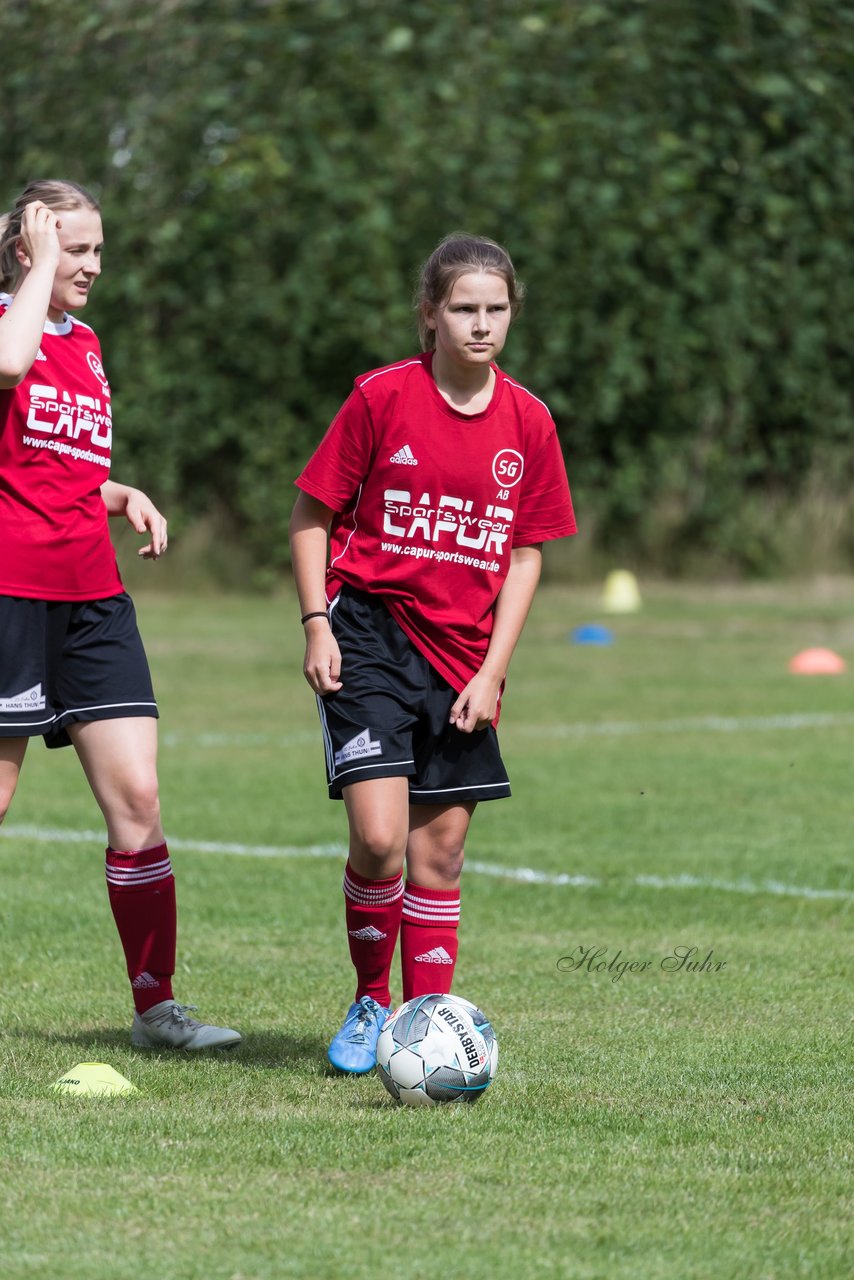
{"type": "Point", "coordinates": [343, 458]}
{"type": "Point", "coordinates": [545, 506]}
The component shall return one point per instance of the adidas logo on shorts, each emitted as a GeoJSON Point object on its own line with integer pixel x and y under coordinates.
{"type": "Point", "coordinates": [437, 956]}
{"type": "Point", "coordinates": [405, 456]}
{"type": "Point", "coordinates": [368, 934]}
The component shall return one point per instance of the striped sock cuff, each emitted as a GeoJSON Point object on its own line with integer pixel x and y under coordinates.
{"type": "Point", "coordinates": [131, 869]}
{"type": "Point", "coordinates": [371, 893]}
{"type": "Point", "coordinates": [431, 906]}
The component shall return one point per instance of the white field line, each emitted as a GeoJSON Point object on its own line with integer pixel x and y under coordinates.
{"type": "Point", "coordinates": [579, 729]}
{"type": "Point", "coordinates": [695, 724]}
{"type": "Point", "coordinates": [55, 835]}
{"type": "Point", "coordinates": [522, 875]}
{"type": "Point", "coordinates": [297, 738]}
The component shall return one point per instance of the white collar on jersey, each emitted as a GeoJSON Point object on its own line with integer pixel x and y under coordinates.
{"type": "Point", "coordinates": [58, 327]}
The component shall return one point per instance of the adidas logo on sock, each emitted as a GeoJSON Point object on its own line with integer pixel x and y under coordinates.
{"type": "Point", "coordinates": [143, 981]}
{"type": "Point", "coordinates": [437, 956]}
{"type": "Point", "coordinates": [369, 933]}
{"type": "Point", "coordinates": [405, 456]}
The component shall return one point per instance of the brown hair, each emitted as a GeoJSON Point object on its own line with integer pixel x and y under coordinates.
{"type": "Point", "coordinates": [453, 257]}
{"type": "Point", "coordinates": [56, 193]}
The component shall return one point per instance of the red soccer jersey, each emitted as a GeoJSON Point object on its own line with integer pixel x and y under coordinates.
{"type": "Point", "coordinates": [55, 438]}
{"type": "Point", "coordinates": [430, 502]}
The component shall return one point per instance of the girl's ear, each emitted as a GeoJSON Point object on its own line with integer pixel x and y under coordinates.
{"type": "Point", "coordinates": [428, 310]}
{"type": "Point", "coordinates": [21, 255]}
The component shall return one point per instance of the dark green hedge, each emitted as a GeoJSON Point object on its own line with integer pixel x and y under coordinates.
{"type": "Point", "coordinates": [675, 180]}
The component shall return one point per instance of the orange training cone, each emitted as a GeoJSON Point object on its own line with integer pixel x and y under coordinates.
{"type": "Point", "coordinates": [817, 662]}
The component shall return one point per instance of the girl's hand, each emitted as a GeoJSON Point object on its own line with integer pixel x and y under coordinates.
{"type": "Point", "coordinates": [322, 665]}
{"type": "Point", "coordinates": [143, 515]}
{"type": "Point", "coordinates": [476, 706]}
{"type": "Point", "coordinates": [40, 235]}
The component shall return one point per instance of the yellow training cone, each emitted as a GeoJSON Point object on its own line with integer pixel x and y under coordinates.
{"type": "Point", "coordinates": [93, 1078]}
{"type": "Point", "coordinates": [621, 593]}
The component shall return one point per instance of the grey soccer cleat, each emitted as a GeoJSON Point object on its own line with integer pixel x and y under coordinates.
{"type": "Point", "coordinates": [166, 1026]}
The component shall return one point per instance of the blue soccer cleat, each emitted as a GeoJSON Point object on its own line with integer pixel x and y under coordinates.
{"type": "Point", "coordinates": [354, 1049]}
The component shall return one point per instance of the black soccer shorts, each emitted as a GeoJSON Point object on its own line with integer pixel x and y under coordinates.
{"type": "Point", "coordinates": [68, 661]}
{"type": "Point", "coordinates": [390, 719]}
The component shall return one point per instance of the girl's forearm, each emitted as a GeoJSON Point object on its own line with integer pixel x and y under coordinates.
{"type": "Point", "coordinates": [511, 609]}
{"type": "Point", "coordinates": [22, 325]}
{"type": "Point", "coordinates": [309, 534]}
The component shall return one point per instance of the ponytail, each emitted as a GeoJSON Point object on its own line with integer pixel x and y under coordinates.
{"type": "Point", "coordinates": [8, 258]}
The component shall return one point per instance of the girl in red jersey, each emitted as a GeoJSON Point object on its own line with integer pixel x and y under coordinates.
{"type": "Point", "coordinates": [436, 485]}
{"type": "Point", "coordinates": [72, 666]}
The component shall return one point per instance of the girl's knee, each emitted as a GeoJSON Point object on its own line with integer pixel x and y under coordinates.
{"type": "Point", "coordinates": [446, 867]}
{"type": "Point", "coordinates": [140, 798]}
{"type": "Point", "coordinates": [8, 787]}
{"type": "Point", "coordinates": [379, 845]}
{"type": "Point", "coordinates": [438, 861]}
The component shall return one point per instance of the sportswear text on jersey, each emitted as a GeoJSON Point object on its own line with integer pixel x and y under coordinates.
{"type": "Point", "coordinates": [450, 519]}
{"type": "Point", "coordinates": [53, 412]}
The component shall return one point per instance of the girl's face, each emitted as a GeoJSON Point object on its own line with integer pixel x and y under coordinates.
{"type": "Point", "coordinates": [471, 325]}
{"type": "Point", "coordinates": [81, 239]}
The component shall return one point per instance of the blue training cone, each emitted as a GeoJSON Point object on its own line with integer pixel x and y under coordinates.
{"type": "Point", "coordinates": [592, 633]}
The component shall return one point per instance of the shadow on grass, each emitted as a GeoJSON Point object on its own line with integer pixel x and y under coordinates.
{"type": "Point", "coordinates": [257, 1049]}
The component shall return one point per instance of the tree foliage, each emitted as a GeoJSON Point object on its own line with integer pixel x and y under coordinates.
{"type": "Point", "coordinates": [674, 179]}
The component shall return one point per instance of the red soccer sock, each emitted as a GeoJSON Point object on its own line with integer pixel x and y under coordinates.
{"type": "Point", "coordinates": [372, 909]}
{"type": "Point", "coordinates": [141, 888]}
{"type": "Point", "coordinates": [428, 940]}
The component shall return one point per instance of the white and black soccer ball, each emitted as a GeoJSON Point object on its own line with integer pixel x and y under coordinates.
{"type": "Point", "coordinates": [436, 1049]}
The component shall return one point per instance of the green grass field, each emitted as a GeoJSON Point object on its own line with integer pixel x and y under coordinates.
{"type": "Point", "coordinates": [679, 789]}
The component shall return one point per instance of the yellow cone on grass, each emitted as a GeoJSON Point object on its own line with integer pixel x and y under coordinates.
{"type": "Point", "coordinates": [621, 593]}
{"type": "Point", "coordinates": [93, 1078]}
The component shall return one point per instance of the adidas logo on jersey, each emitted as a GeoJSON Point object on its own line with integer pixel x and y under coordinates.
{"type": "Point", "coordinates": [368, 934]}
{"type": "Point", "coordinates": [40, 355]}
{"type": "Point", "coordinates": [143, 981]}
{"type": "Point", "coordinates": [405, 456]}
{"type": "Point", "coordinates": [361, 745]}
{"type": "Point", "coordinates": [437, 956]}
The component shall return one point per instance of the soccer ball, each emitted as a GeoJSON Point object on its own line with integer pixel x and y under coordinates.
{"type": "Point", "coordinates": [437, 1049]}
